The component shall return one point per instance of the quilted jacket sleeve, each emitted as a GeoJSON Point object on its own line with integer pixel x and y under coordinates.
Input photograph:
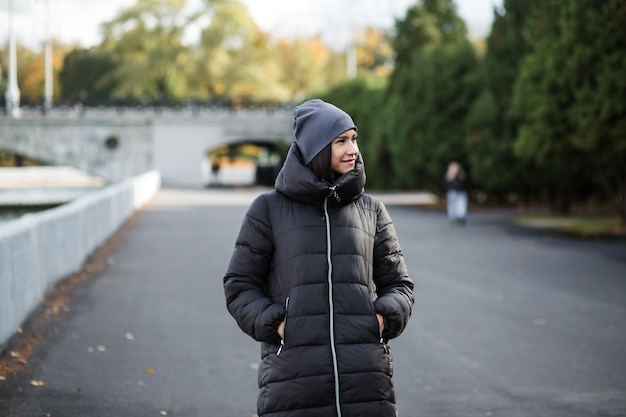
{"type": "Point", "coordinates": [246, 277]}
{"type": "Point", "coordinates": [393, 284]}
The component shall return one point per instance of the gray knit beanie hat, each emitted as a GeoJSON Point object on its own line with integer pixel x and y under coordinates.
{"type": "Point", "coordinates": [315, 125]}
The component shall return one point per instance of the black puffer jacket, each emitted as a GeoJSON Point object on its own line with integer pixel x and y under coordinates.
{"type": "Point", "coordinates": [325, 259]}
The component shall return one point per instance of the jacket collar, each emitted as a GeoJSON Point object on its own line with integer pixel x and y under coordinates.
{"type": "Point", "coordinates": [298, 182]}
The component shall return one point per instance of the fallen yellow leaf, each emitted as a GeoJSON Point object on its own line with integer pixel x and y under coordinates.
{"type": "Point", "coordinates": [37, 383]}
{"type": "Point", "coordinates": [149, 371]}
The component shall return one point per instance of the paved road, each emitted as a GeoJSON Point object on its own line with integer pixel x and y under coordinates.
{"type": "Point", "coordinates": [507, 322]}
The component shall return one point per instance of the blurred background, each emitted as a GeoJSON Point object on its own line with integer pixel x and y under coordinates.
{"type": "Point", "coordinates": [528, 96]}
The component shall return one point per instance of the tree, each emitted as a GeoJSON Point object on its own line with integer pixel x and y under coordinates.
{"type": "Point", "coordinates": [570, 98]}
{"type": "Point", "coordinates": [442, 91]}
{"type": "Point", "coordinates": [432, 87]}
{"type": "Point", "coordinates": [425, 25]}
{"type": "Point", "coordinates": [374, 52]}
{"type": "Point", "coordinates": [84, 77]}
{"type": "Point", "coordinates": [492, 127]}
{"type": "Point", "coordinates": [540, 98]}
{"type": "Point", "coordinates": [145, 41]}
{"type": "Point", "coordinates": [233, 56]}
{"type": "Point", "coordinates": [595, 35]}
{"type": "Point", "coordinates": [33, 82]}
{"type": "Point", "coordinates": [303, 64]}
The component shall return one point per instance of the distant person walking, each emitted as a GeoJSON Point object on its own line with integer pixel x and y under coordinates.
{"type": "Point", "coordinates": [215, 170]}
{"type": "Point", "coordinates": [456, 193]}
{"type": "Point", "coordinates": [318, 277]}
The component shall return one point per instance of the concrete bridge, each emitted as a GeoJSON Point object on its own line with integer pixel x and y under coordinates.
{"type": "Point", "coordinates": [135, 151]}
{"type": "Point", "coordinates": [117, 144]}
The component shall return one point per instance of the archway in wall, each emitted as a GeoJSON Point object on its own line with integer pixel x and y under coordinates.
{"type": "Point", "coordinates": [245, 163]}
{"type": "Point", "coordinates": [11, 159]}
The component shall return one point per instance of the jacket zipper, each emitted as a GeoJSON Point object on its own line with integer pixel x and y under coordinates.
{"type": "Point", "coordinates": [330, 301]}
{"type": "Point", "coordinates": [282, 339]}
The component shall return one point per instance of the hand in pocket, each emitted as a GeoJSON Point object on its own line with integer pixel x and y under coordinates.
{"type": "Point", "coordinates": [381, 323]}
{"type": "Point", "coordinates": [281, 329]}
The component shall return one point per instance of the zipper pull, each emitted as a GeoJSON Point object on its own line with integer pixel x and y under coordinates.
{"type": "Point", "coordinates": [333, 193]}
{"type": "Point", "coordinates": [280, 348]}
{"type": "Point", "coordinates": [382, 342]}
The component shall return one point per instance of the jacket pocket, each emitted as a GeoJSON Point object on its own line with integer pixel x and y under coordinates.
{"type": "Point", "coordinates": [372, 325]}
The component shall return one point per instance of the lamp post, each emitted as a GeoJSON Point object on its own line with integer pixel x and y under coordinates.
{"type": "Point", "coordinates": [47, 97]}
{"type": "Point", "coordinates": [12, 95]}
{"type": "Point", "coordinates": [351, 55]}
{"type": "Point", "coordinates": [351, 58]}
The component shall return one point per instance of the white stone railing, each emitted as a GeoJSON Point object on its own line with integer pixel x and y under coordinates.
{"type": "Point", "coordinates": [39, 249]}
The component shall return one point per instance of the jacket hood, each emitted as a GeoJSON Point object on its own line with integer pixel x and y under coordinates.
{"type": "Point", "coordinates": [298, 182]}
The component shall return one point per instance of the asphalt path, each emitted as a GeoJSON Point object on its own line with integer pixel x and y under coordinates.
{"type": "Point", "coordinates": [507, 322]}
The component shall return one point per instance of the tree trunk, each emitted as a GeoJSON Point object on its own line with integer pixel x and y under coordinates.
{"type": "Point", "coordinates": [559, 201]}
{"type": "Point", "coordinates": [617, 195]}
{"type": "Point", "coordinates": [620, 201]}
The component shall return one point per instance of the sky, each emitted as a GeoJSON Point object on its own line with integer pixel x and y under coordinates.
{"type": "Point", "coordinates": [79, 20]}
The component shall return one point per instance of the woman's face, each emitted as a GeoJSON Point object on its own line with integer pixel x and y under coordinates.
{"type": "Point", "coordinates": [344, 151]}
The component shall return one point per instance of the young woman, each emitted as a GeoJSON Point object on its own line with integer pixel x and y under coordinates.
{"type": "Point", "coordinates": [318, 277]}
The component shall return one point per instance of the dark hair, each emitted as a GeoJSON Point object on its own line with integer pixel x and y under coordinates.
{"type": "Point", "coordinates": [320, 164]}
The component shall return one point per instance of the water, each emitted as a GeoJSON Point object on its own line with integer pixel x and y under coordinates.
{"type": "Point", "coordinates": [11, 213]}
{"type": "Point", "coordinates": [41, 196]}
{"type": "Point", "coordinates": [35, 188]}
